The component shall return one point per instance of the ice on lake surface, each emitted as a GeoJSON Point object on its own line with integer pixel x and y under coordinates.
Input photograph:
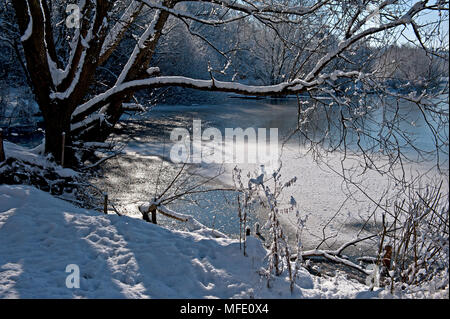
{"type": "Point", "coordinates": [319, 192]}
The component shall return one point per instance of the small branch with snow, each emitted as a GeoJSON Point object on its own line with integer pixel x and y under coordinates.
{"type": "Point", "coordinates": [191, 223]}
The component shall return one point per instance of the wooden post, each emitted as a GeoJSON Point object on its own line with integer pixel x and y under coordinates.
{"type": "Point", "coordinates": [63, 147]}
{"type": "Point", "coordinates": [145, 217]}
{"type": "Point", "coordinates": [146, 214]}
{"type": "Point", "coordinates": [2, 150]}
{"type": "Point", "coordinates": [153, 211]}
{"type": "Point", "coordinates": [105, 203]}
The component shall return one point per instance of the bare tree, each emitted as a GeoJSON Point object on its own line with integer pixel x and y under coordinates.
{"type": "Point", "coordinates": [63, 73]}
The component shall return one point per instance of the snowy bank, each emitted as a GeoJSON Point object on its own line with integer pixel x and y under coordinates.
{"type": "Point", "coordinates": [35, 157]}
{"type": "Point", "coordinates": [122, 257]}
{"type": "Point", "coordinates": [118, 257]}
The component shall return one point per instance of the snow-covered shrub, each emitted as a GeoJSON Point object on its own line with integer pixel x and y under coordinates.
{"type": "Point", "coordinates": [25, 166]}
{"type": "Point", "coordinates": [418, 239]}
{"type": "Point", "coordinates": [265, 192]}
{"type": "Point", "coordinates": [245, 204]}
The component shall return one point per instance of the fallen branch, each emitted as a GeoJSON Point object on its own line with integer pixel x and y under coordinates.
{"type": "Point", "coordinates": [104, 159]}
{"type": "Point", "coordinates": [115, 210]}
{"type": "Point", "coordinates": [328, 255]}
{"type": "Point", "coordinates": [171, 214]}
{"type": "Point", "coordinates": [191, 223]}
{"type": "Point", "coordinates": [335, 255]}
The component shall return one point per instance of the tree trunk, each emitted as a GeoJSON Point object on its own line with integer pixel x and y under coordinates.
{"type": "Point", "coordinates": [100, 131]}
{"type": "Point", "coordinates": [56, 123]}
{"type": "Point", "coordinates": [2, 152]}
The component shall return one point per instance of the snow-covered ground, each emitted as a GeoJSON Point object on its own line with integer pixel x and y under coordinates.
{"type": "Point", "coordinates": [34, 156]}
{"type": "Point", "coordinates": [122, 257]}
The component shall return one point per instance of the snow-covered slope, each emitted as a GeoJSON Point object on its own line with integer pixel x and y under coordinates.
{"type": "Point", "coordinates": [123, 257]}
{"type": "Point", "coordinates": [117, 256]}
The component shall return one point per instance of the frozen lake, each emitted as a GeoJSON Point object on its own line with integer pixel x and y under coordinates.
{"type": "Point", "coordinates": [319, 192]}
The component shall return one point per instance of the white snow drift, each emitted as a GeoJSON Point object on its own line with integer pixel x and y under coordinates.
{"type": "Point", "coordinates": [123, 257]}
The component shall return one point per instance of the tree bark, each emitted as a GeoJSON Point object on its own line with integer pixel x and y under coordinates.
{"type": "Point", "coordinates": [57, 123]}
{"type": "Point", "coordinates": [100, 131]}
{"type": "Point", "coordinates": [2, 151]}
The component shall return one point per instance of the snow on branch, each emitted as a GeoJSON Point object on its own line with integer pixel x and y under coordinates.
{"type": "Point", "coordinates": [133, 107]}
{"type": "Point", "coordinates": [113, 38]}
{"type": "Point", "coordinates": [181, 14]}
{"type": "Point", "coordinates": [313, 79]}
{"type": "Point", "coordinates": [191, 223]}
{"type": "Point", "coordinates": [83, 43]}
{"type": "Point", "coordinates": [29, 30]}
{"type": "Point", "coordinates": [343, 45]}
{"type": "Point", "coordinates": [58, 75]}
{"type": "Point", "coordinates": [270, 7]}
{"type": "Point", "coordinates": [336, 255]}
{"type": "Point", "coordinates": [88, 121]}
{"type": "Point", "coordinates": [148, 33]}
{"type": "Point", "coordinates": [326, 254]}
{"type": "Point", "coordinates": [370, 15]}
{"type": "Point", "coordinates": [284, 88]}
